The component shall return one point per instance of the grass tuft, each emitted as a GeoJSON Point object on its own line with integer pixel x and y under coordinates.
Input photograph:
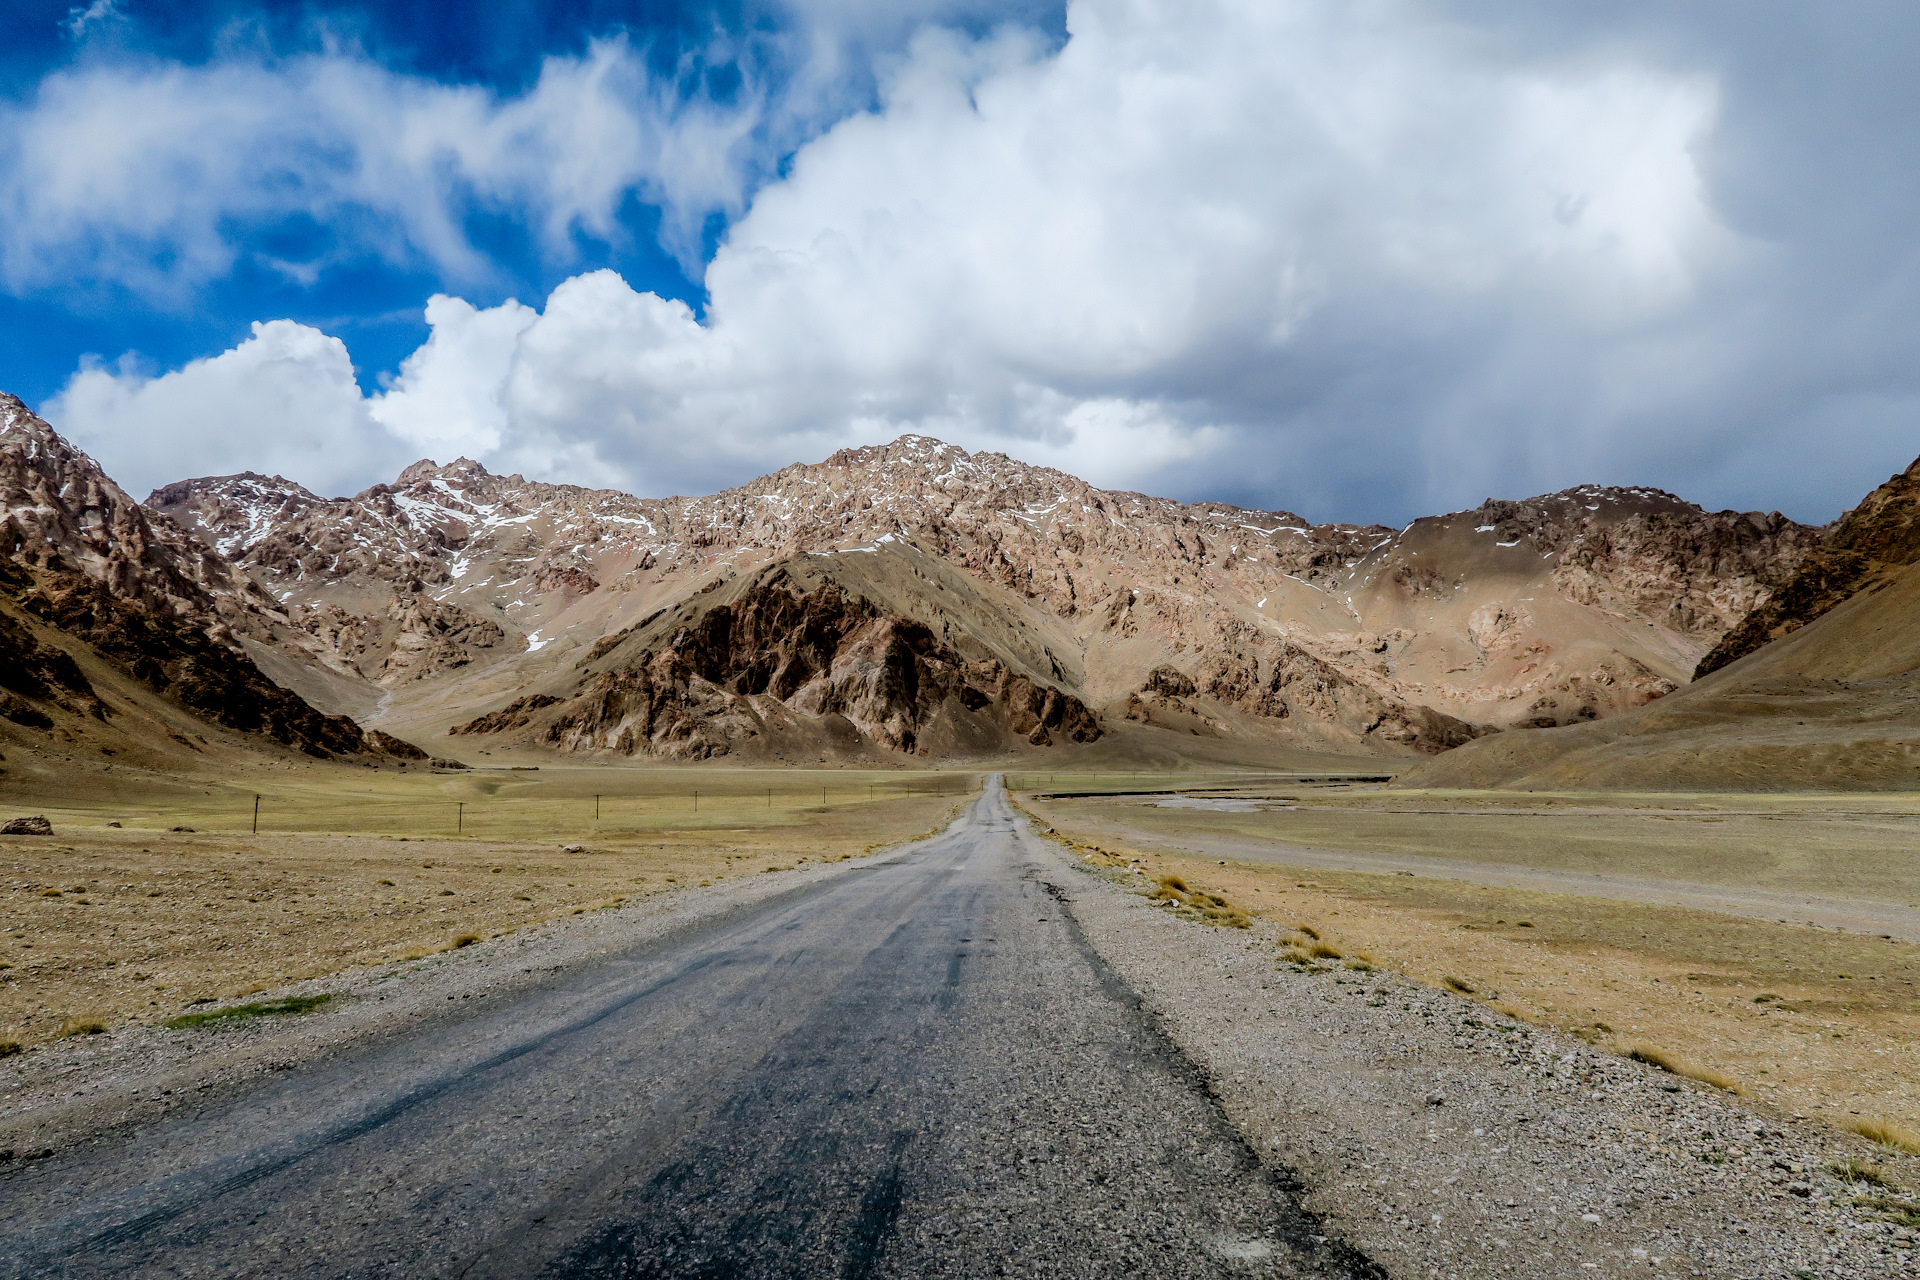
{"type": "Point", "coordinates": [9, 1047]}
{"type": "Point", "coordinates": [1883, 1132]}
{"type": "Point", "coordinates": [465, 940]}
{"type": "Point", "coordinates": [1673, 1064]}
{"type": "Point", "coordinates": [258, 1009]}
{"type": "Point", "coordinates": [1460, 985]}
{"type": "Point", "coordinates": [1860, 1171]}
{"type": "Point", "coordinates": [82, 1027]}
{"type": "Point", "coordinates": [1902, 1213]}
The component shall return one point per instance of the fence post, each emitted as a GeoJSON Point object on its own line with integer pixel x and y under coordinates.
{"type": "Point", "coordinates": [256, 815]}
{"type": "Point", "coordinates": [596, 808]}
{"type": "Point", "coordinates": [696, 800]}
{"type": "Point", "coordinates": [460, 817]}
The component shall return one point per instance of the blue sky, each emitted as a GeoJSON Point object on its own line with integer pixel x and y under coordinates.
{"type": "Point", "coordinates": [1359, 260]}
{"type": "Point", "coordinates": [374, 304]}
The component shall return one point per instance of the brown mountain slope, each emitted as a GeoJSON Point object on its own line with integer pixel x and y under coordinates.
{"type": "Point", "coordinates": [453, 592]}
{"type": "Point", "coordinates": [1832, 702]}
{"type": "Point", "coordinates": [94, 588]}
{"type": "Point", "coordinates": [1864, 547]}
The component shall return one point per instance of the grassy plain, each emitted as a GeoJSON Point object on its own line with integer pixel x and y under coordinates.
{"type": "Point", "coordinates": [358, 866]}
{"type": "Point", "coordinates": [1815, 1021]}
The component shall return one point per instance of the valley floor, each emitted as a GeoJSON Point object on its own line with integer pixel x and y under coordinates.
{"type": "Point", "coordinates": [985, 1053]}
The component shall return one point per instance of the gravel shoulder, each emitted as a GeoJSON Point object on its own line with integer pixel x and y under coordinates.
{"type": "Point", "coordinates": [1444, 1139]}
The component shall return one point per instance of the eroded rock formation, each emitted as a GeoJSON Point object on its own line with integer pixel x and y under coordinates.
{"type": "Point", "coordinates": [777, 658]}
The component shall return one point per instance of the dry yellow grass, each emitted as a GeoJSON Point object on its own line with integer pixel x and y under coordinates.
{"type": "Point", "coordinates": [1860, 1171]}
{"type": "Point", "coordinates": [146, 920]}
{"type": "Point", "coordinates": [1654, 1056]}
{"type": "Point", "coordinates": [1883, 1132]}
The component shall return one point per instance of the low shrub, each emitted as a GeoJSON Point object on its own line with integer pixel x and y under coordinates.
{"type": "Point", "coordinates": [258, 1009]}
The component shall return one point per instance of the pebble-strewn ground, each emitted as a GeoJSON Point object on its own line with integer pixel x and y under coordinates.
{"type": "Point", "coordinates": [1446, 1140]}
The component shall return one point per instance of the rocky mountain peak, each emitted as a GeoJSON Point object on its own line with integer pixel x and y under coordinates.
{"type": "Point", "coordinates": [106, 574]}
{"type": "Point", "coordinates": [461, 468]}
{"type": "Point", "coordinates": [61, 514]}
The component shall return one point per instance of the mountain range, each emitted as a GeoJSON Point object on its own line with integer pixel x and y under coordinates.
{"type": "Point", "coordinates": [904, 601]}
{"type": "Point", "coordinates": [1817, 688]}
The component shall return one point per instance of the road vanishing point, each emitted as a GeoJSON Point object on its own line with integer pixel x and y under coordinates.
{"type": "Point", "coordinates": [918, 1067]}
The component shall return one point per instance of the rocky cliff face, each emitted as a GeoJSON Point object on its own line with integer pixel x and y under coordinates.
{"type": "Point", "coordinates": [80, 556]}
{"type": "Point", "coordinates": [1861, 550]}
{"type": "Point", "coordinates": [1553, 610]}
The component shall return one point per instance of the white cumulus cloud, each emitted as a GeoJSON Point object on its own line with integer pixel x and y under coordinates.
{"type": "Point", "coordinates": [1130, 252]}
{"type": "Point", "coordinates": [284, 401]}
{"type": "Point", "coordinates": [1352, 258]}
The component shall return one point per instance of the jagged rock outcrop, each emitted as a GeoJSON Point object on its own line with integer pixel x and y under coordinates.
{"type": "Point", "coordinates": [32, 672]}
{"type": "Point", "coordinates": [415, 637]}
{"type": "Point", "coordinates": [1860, 551]}
{"type": "Point", "coordinates": [1302, 685]}
{"type": "Point", "coordinates": [1653, 555]}
{"type": "Point", "coordinates": [78, 554]}
{"type": "Point", "coordinates": [777, 657]}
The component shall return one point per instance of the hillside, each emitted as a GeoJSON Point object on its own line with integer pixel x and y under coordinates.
{"type": "Point", "coordinates": [123, 640]}
{"type": "Point", "coordinates": [453, 594]}
{"type": "Point", "coordinates": [1818, 688]}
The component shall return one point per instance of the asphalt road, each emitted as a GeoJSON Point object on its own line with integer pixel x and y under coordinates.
{"type": "Point", "coordinates": [916, 1068]}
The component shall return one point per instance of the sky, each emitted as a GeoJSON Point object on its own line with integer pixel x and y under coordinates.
{"type": "Point", "coordinates": [1358, 259]}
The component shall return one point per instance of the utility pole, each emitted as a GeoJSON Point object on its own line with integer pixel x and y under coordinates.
{"type": "Point", "coordinates": [256, 815]}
